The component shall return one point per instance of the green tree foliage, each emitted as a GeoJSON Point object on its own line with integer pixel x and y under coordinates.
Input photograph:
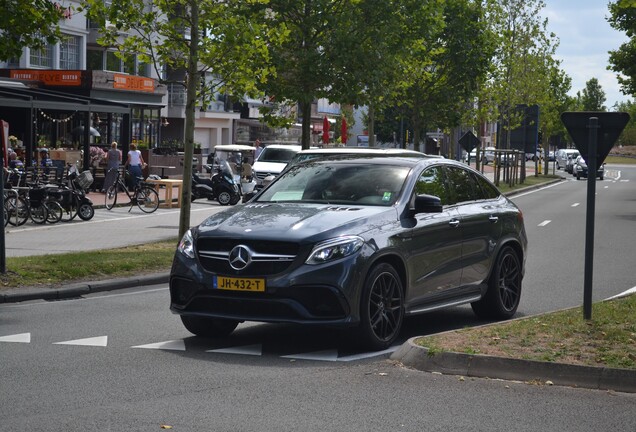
{"type": "Point", "coordinates": [187, 39]}
{"type": "Point", "coordinates": [592, 98]}
{"type": "Point", "coordinates": [447, 48]}
{"type": "Point", "coordinates": [623, 60]}
{"type": "Point", "coordinates": [28, 23]}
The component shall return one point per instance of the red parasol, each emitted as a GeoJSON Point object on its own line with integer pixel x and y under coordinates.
{"type": "Point", "coordinates": [325, 130]}
{"type": "Point", "coordinates": [343, 130]}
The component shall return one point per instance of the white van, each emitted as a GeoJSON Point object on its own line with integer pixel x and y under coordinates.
{"type": "Point", "coordinates": [272, 160]}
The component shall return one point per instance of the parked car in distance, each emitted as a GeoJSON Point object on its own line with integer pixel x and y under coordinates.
{"type": "Point", "coordinates": [354, 242]}
{"type": "Point", "coordinates": [487, 155]}
{"type": "Point", "coordinates": [272, 160]}
{"type": "Point", "coordinates": [571, 161]}
{"type": "Point", "coordinates": [581, 169]}
{"type": "Point", "coordinates": [562, 155]}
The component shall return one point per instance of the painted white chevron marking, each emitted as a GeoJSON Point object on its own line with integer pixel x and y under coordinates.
{"type": "Point", "coordinates": [361, 356]}
{"type": "Point", "coordinates": [175, 345]}
{"type": "Point", "coordinates": [94, 341]}
{"type": "Point", "coordinates": [20, 338]}
{"type": "Point", "coordinates": [326, 355]}
{"type": "Point", "coordinates": [255, 350]}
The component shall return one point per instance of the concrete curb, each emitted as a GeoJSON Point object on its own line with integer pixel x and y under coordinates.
{"type": "Point", "coordinates": [78, 289]}
{"type": "Point", "coordinates": [482, 366]}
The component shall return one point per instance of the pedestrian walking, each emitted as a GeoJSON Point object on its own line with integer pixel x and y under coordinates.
{"type": "Point", "coordinates": [257, 148]}
{"type": "Point", "coordinates": [135, 163]}
{"type": "Point", "coordinates": [113, 160]}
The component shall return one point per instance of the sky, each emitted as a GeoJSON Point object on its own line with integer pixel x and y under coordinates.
{"type": "Point", "coordinates": [585, 38]}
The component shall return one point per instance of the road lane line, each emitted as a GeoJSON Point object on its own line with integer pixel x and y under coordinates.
{"type": "Point", "coordinates": [544, 223]}
{"type": "Point", "coordinates": [576, 204]}
{"type": "Point", "coordinates": [623, 294]}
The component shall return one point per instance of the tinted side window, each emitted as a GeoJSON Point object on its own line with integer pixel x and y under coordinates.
{"type": "Point", "coordinates": [488, 191]}
{"type": "Point", "coordinates": [461, 185]}
{"type": "Point", "coordinates": [431, 182]}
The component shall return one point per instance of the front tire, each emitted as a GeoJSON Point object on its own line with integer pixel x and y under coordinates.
{"type": "Point", "coordinates": [208, 327]}
{"type": "Point", "coordinates": [224, 198]}
{"type": "Point", "coordinates": [111, 197]}
{"type": "Point", "coordinates": [381, 308]}
{"type": "Point", "coordinates": [504, 288]}
{"type": "Point", "coordinates": [85, 212]}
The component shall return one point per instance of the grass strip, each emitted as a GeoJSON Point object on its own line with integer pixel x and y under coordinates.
{"type": "Point", "coordinates": [608, 339]}
{"type": "Point", "coordinates": [94, 265]}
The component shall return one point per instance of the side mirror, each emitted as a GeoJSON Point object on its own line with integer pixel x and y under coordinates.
{"type": "Point", "coordinates": [427, 204]}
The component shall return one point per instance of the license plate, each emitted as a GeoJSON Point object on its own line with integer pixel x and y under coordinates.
{"type": "Point", "coordinates": [239, 284]}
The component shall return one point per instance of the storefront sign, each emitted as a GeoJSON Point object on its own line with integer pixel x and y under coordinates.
{"type": "Point", "coordinates": [49, 77]}
{"type": "Point", "coordinates": [134, 83]}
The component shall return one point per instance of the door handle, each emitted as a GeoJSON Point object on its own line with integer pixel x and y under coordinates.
{"type": "Point", "coordinates": [454, 223]}
{"type": "Point", "coordinates": [493, 219]}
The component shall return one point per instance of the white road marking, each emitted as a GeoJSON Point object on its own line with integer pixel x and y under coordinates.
{"type": "Point", "coordinates": [576, 204]}
{"type": "Point", "coordinates": [174, 345]}
{"type": "Point", "coordinates": [536, 190]}
{"type": "Point", "coordinates": [624, 293]}
{"type": "Point", "coordinates": [255, 350]}
{"type": "Point", "coordinates": [544, 223]}
{"type": "Point", "coordinates": [94, 341]}
{"type": "Point", "coordinates": [326, 355]}
{"type": "Point", "coordinates": [368, 354]}
{"type": "Point", "coordinates": [20, 338]}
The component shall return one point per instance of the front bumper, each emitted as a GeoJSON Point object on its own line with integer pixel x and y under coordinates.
{"type": "Point", "coordinates": [326, 294]}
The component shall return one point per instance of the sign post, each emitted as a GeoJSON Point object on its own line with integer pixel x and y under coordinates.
{"type": "Point", "coordinates": [469, 141]}
{"type": "Point", "coordinates": [594, 134]}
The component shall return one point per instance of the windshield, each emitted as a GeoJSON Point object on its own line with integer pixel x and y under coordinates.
{"type": "Point", "coordinates": [341, 183]}
{"type": "Point", "coordinates": [280, 155]}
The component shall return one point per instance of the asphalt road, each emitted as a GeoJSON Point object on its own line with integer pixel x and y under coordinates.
{"type": "Point", "coordinates": [121, 361]}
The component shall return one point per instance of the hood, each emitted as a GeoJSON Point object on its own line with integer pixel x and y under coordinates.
{"type": "Point", "coordinates": [269, 167]}
{"type": "Point", "coordinates": [294, 221]}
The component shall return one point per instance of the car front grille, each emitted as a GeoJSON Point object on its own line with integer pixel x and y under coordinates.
{"type": "Point", "coordinates": [268, 257]}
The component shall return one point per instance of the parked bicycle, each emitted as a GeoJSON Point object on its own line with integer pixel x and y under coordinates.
{"type": "Point", "coordinates": [144, 195]}
{"type": "Point", "coordinates": [16, 208]}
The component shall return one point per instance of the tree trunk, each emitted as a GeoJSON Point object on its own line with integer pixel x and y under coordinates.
{"type": "Point", "coordinates": [371, 126]}
{"type": "Point", "coordinates": [192, 85]}
{"type": "Point", "coordinates": [305, 109]}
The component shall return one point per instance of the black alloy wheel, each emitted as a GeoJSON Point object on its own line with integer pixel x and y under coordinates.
{"type": "Point", "coordinates": [208, 327]}
{"type": "Point", "coordinates": [504, 288]}
{"type": "Point", "coordinates": [382, 308]}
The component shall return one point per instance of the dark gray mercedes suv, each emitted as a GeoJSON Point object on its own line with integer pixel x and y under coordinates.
{"type": "Point", "coordinates": [354, 241]}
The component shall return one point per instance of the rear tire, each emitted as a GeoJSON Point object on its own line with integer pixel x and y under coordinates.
{"type": "Point", "coordinates": [209, 327]}
{"type": "Point", "coordinates": [147, 199]}
{"type": "Point", "coordinates": [17, 210]}
{"type": "Point", "coordinates": [38, 214]}
{"type": "Point", "coordinates": [504, 288]}
{"type": "Point", "coordinates": [55, 212]}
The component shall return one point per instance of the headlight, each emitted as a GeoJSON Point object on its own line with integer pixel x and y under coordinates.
{"type": "Point", "coordinates": [335, 249]}
{"type": "Point", "coordinates": [186, 245]}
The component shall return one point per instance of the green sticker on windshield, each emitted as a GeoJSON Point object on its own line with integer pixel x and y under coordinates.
{"type": "Point", "coordinates": [387, 196]}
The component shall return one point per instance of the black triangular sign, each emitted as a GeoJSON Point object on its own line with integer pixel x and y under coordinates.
{"type": "Point", "coordinates": [610, 126]}
{"type": "Point", "coordinates": [469, 141]}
